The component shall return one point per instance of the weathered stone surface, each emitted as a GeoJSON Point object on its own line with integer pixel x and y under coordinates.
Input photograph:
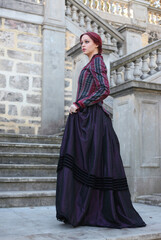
{"type": "Point", "coordinates": [11, 96]}
{"type": "Point", "coordinates": [68, 103]}
{"type": "Point", "coordinates": [67, 83]}
{"type": "Point", "coordinates": [19, 82]}
{"type": "Point", "coordinates": [17, 120]}
{"type": "Point", "coordinates": [3, 119]}
{"type": "Point", "coordinates": [2, 81]}
{"type": "Point", "coordinates": [6, 65]}
{"type": "Point", "coordinates": [29, 68]}
{"type": "Point", "coordinates": [7, 39]}
{"type": "Point", "coordinates": [29, 46]}
{"type": "Point", "coordinates": [19, 55]}
{"type": "Point", "coordinates": [0, 22]}
{"type": "Point", "coordinates": [27, 6]}
{"type": "Point", "coordinates": [35, 122]}
{"type": "Point", "coordinates": [11, 131]}
{"type": "Point", "coordinates": [2, 131]}
{"type": "Point", "coordinates": [68, 73]}
{"type": "Point", "coordinates": [31, 111]}
{"type": "Point", "coordinates": [2, 52]}
{"type": "Point", "coordinates": [36, 82]}
{"type": "Point", "coordinates": [31, 98]}
{"type": "Point", "coordinates": [29, 38]}
{"type": "Point", "coordinates": [38, 57]}
{"type": "Point", "coordinates": [21, 26]}
{"type": "Point", "coordinates": [2, 108]}
{"type": "Point", "coordinates": [26, 130]}
{"type": "Point", "coordinates": [12, 110]}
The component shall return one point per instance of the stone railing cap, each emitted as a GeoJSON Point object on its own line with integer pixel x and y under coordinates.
{"type": "Point", "coordinates": [131, 28]}
{"type": "Point", "coordinates": [134, 85]}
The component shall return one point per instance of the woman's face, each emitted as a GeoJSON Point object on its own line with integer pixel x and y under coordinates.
{"type": "Point", "coordinates": [88, 46]}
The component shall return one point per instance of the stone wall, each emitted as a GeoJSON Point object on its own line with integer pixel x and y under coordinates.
{"type": "Point", "coordinates": [20, 77]}
{"type": "Point", "coordinates": [70, 42]}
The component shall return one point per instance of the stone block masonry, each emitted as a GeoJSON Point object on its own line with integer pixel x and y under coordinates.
{"type": "Point", "coordinates": [70, 42]}
{"type": "Point", "coordinates": [20, 77]}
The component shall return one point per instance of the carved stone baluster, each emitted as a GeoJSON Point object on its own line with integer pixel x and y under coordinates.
{"type": "Point", "coordinates": [112, 7]}
{"type": "Point", "coordinates": [91, 4]}
{"type": "Point", "coordinates": [152, 64]}
{"type": "Point", "coordinates": [106, 6]}
{"type": "Point", "coordinates": [102, 35]}
{"type": "Point", "coordinates": [68, 9]}
{"type": "Point", "coordinates": [108, 37]}
{"type": "Point", "coordinates": [149, 17]}
{"type": "Point", "coordinates": [112, 78]}
{"type": "Point", "coordinates": [95, 27]}
{"type": "Point", "coordinates": [114, 43]}
{"type": "Point", "coordinates": [97, 5]}
{"type": "Point", "coordinates": [152, 18]}
{"type": "Point", "coordinates": [87, 3]}
{"type": "Point", "coordinates": [137, 73]}
{"type": "Point", "coordinates": [117, 11]}
{"type": "Point", "coordinates": [157, 18]}
{"type": "Point", "coordinates": [129, 12]}
{"type": "Point", "coordinates": [119, 76]}
{"type": "Point", "coordinates": [120, 49]}
{"type": "Point", "coordinates": [122, 9]}
{"type": "Point", "coordinates": [158, 62]}
{"type": "Point", "coordinates": [81, 19]}
{"type": "Point", "coordinates": [74, 14]}
{"type": "Point", "coordinates": [88, 24]}
{"type": "Point", "coordinates": [145, 67]}
{"type": "Point", "coordinates": [128, 72]}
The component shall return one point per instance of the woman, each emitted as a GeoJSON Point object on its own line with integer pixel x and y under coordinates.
{"type": "Point", "coordinates": [91, 183]}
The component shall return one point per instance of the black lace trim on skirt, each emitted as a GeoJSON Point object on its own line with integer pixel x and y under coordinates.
{"type": "Point", "coordinates": [104, 183]}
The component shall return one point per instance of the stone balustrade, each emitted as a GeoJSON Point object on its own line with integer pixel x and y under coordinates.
{"type": "Point", "coordinates": [155, 3]}
{"type": "Point", "coordinates": [87, 20]}
{"type": "Point", "coordinates": [115, 7]}
{"type": "Point", "coordinates": [154, 15]}
{"type": "Point", "coordinates": [122, 8]}
{"type": "Point", "coordinates": [138, 65]}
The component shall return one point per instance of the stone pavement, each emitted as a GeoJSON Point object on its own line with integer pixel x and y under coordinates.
{"type": "Point", "coordinates": [39, 223]}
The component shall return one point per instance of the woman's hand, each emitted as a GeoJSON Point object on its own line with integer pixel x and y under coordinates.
{"type": "Point", "coordinates": [73, 109]}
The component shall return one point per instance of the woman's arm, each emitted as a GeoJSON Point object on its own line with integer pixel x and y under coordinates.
{"type": "Point", "coordinates": [99, 73]}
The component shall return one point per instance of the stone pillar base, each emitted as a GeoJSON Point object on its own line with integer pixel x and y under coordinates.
{"type": "Point", "coordinates": [136, 119]}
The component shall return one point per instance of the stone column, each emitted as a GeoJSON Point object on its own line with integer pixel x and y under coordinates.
{"type": "Point", "coordinates": [53, 66]}
{"type": "Point", "coordinates": [133, 36]}
{"type": "Point", "coordinates": [136, 119]}
{"type": "Point", "coordinates": [139, 12]}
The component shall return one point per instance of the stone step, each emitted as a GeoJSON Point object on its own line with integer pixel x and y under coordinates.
{"type": "Point", "coordinates": [27, 170]}
{"type": "Point", "coordinates": [29, 147]}
{"type": "Point", "coordinates": [27, 183]}
{"type": "Point", "coordinates": [154, 199]}
{"type": "Point", "coordinates": [26, 138]}
{"type": "Point", "coordinates": [27, 198]}
{"type": "Point", "coordinates": [28, 158]}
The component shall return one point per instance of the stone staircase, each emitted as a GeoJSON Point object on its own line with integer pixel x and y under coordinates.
{"type": "Point", "coordinates": [153, 199]}
{"type": "Point", "coordinates": [28, 169]}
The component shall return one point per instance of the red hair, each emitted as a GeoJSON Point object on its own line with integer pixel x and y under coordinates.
{"type": "Point", "coordinates": [96, 39]}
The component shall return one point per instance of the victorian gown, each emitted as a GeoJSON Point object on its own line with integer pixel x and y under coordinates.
{"type": "Point", "coordinates": [92, 187]}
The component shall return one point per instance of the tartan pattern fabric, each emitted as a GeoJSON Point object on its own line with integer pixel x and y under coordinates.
{"type": "Point", "coordinates": [93, 85]}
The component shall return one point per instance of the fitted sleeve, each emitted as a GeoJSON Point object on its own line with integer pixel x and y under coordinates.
{"type": "Point", "coordinates": [102, 90]}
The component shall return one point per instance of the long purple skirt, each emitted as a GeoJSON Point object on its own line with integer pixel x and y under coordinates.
{"type": "Point", "coordinates": [92, 187]}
